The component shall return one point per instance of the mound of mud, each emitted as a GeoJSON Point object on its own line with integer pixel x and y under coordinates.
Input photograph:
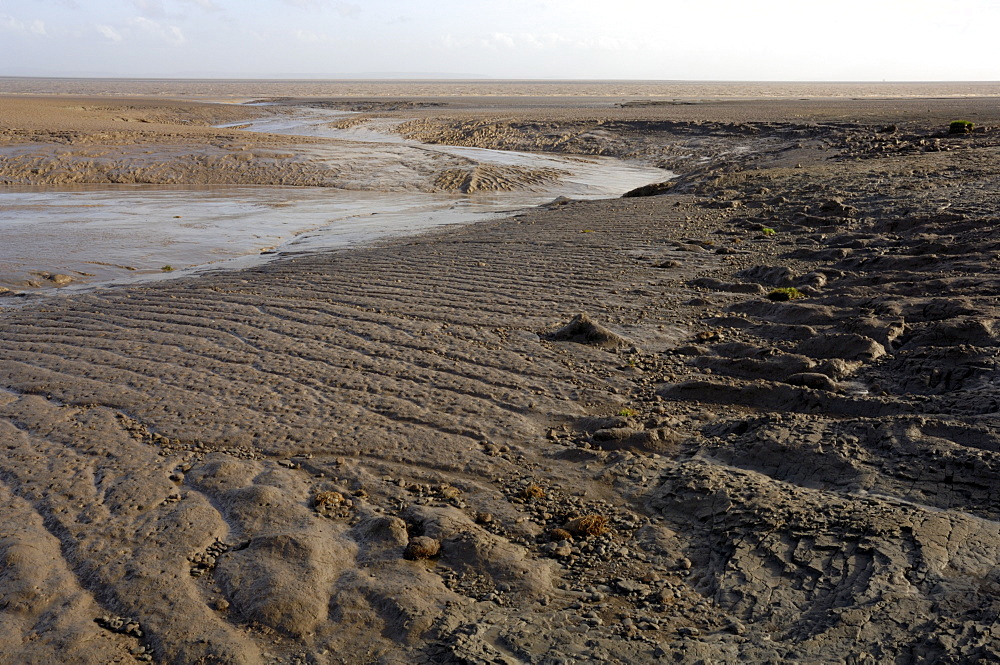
{"type": "Point", "coordinates": [491, 178]}
{"type": "Point", "coordinates": [582, 330]}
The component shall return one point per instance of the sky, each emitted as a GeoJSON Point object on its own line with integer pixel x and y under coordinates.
{"type": "Point", "coordinates": [764, 40]}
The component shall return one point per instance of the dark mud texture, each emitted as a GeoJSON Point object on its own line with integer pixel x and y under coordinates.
{"type": "Point", "coordinates": [385, 455]}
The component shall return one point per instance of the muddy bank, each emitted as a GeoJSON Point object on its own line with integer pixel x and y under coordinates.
{"type": "Point", "coordinates": [76, 141]}
{"type": "Point", "coordinates": [258, 466]}
{"type": "Point", "coordinates": [88, 140]}
{"type": "Point", "coordinates": [101, 203]}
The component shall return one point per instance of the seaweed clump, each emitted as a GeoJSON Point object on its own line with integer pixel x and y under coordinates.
{"type": "Point", "coordinates": [961, 127]}
{"type": "Point", "coordinates": [785, 294]}
{"type": "Point", "coordinates": [588, 525]}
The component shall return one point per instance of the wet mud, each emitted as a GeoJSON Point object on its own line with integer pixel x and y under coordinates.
{"type": "Point", "coordinates": [751, 419]}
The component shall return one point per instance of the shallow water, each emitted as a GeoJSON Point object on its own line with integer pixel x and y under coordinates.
{"type": "Point", "coordinates": [101, 234]}
{"type": "Point", "coordinates": [113, 233]}
{"type": "Point", "coordinates": [581, 176]}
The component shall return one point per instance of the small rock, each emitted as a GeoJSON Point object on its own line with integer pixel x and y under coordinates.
{"type": "Point", "coordinates": [812, 380]}
{"type": "Point", "coordinates": [328, 499]}
{"type": "Point", "coordinates": [422, 547]}
{"type": "Point", "coordinates": [449, 492]}
{"type": "Point", "coordinates": [59, 279]}
{"type": "Point", "coordinates": [631, 587]}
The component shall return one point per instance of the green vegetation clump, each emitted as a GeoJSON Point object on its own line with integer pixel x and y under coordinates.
{"type": "Point", "coordinates": [626, 412]}
{"type": "Point", "coordinates": [961, 127]}
{"type": "Point", "coordinates": [786, 293]}
{"type": "Point", "coordinates": [167, 268]}
{"type": "Point", "coordinates": [768, 231]}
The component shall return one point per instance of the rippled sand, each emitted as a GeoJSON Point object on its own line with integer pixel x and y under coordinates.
{"type": "Point", "coordinates": [403, 453]}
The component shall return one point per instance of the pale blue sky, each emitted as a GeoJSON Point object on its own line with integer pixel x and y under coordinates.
{"type": "Point", "coordinates": [621, 39]}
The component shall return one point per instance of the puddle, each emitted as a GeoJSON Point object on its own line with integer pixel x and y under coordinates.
{"type": "Point", "coordinates": [856, 388]}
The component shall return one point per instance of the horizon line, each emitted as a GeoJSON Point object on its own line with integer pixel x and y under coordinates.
{"type": "Point", "coordinates": [459, 78]}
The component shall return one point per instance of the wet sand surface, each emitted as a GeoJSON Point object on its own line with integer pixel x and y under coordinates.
{"type": "Point", "coordinates": [96, 205]}
{"type": "Point", "coordinates": [590, 432]}
{"type": "Point", "coordinates": [97, 236]}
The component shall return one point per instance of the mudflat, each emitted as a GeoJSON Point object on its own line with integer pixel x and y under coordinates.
{"type": "Point", "coordinates": [748, 417]}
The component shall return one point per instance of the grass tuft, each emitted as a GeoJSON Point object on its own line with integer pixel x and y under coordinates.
{"type": "Point", "coordinates": [786, 293]}
{"type": "Point", "coordinates": [588, 525]}
{"type": "Point", "coordinates": [533, 492]}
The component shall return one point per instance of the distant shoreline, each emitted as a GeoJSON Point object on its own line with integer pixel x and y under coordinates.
{"type": "Point", "coordinates": [221, 88]}
{"type": "Point", "coordinates": [477, 79]}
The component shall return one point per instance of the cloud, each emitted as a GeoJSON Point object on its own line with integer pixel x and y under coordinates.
{"type": "Point", "coordinates": [345, 9]}
{"type": "Point", "coordinates": [8, 22]}
{"type": "Point", "coordinates": [615, 44]}
{"type": "Point", "coordinates": [309, 37]}
{"type": "Point", "coordinates": [168, 33]}
{"type": "Point", "coordinates": [109, 33]}
{"type": "Point", "coordinates": [158, 9]}
{"type": "Point", "coordinates": [150, 7]}
{"type": "Point", "coordinates": [140, 27]}
{"type": "Point", "coordinates": [498, 41]}
{"type": "Point", "coordinates": [348, 10]}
